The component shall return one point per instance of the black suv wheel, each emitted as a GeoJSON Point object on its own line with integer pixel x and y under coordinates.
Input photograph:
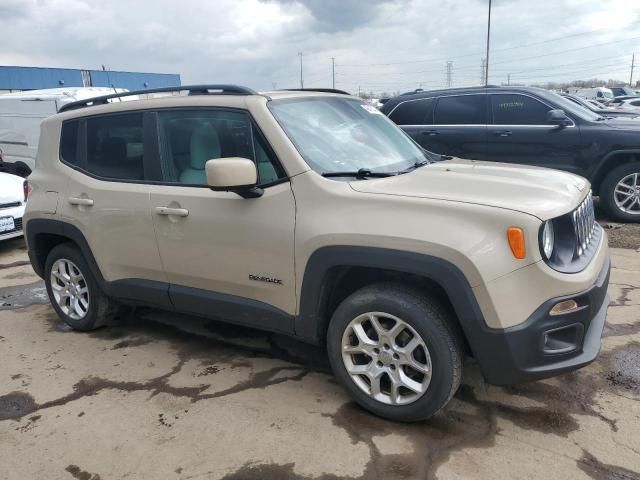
{"type": "Point", "coordinates": [620, 193]}
{"type": "Point", "coordinates": [73, 290]}
{"type": "Point", "coordinates": [394, 348]}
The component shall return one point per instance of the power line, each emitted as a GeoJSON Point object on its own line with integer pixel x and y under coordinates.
{"type": "Point", "coordinates": [500, 49]}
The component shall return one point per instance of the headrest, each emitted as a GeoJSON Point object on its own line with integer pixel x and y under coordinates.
{"type": "Point", "coordinates": [205, 145]}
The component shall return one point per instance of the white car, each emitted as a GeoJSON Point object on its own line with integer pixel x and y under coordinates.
{"type": "Point", "coordinates": [13, 198]}
{"type": "Point", "coordinates": [631, 104]}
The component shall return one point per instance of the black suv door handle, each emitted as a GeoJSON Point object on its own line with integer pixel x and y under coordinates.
{"type": "Point", "coordinates": [431, 133]}
{"type": "Point", "coordinates": [503, 133]}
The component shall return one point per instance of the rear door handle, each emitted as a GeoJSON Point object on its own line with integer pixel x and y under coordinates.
{"type": "Point", "coordinates": [504, 133]}
{"type": "Point", "coordinates": [87, 202]}
{"type": "Point", "coordinates": [178, 212]}
{"type": "Point", "coordinates": [431, 133]}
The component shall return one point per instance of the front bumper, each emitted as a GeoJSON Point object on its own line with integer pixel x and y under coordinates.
{"type": "Point", "coordinates": [545, 345]}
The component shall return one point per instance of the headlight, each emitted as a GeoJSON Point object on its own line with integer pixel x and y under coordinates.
{"type": "Point", "coordinates": [547, 239]}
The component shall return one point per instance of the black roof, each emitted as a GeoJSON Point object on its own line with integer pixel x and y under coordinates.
{"type": "Point", "coordinates": [391, 103]}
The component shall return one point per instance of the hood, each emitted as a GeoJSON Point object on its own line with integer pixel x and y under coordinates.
{"type": "Point", "coordinates": [542, 192]}
{"type": "Point", "coordinates": [624, 122]}
{"type": "Point", "coordinates": [11, 188]}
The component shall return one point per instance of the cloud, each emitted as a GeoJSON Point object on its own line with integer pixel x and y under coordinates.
{"type": "Point", "coordinates": [377, 45]}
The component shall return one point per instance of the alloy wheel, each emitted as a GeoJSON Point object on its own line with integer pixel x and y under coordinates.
{"type": "Point", "coordinates": [70, 289]}
{"type": "Point", "coordinates": [627, 194]}
{"type": "Point", "coordinates": [386, 358]}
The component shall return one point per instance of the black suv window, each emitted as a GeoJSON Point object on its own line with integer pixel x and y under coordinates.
{"type": "Point", "coordinates": [514, 109]}
{"type": "Point", "coordinates": [114, 146]}
{"type": "Point", "coordinates": [461, 110]}
{"type": "Point", "coordinates": [413, 112]}
{"type": "Point", "coordinates": [189, 138]}
{"type": "Point", "coordinates": [69, 142]}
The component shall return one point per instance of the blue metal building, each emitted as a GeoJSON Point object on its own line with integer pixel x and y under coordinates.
{"type": "Point", "coordinates": [35, 78]}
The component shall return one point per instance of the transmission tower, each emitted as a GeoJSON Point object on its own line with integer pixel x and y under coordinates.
{"type": "Point", "coordinates": [449, 74]}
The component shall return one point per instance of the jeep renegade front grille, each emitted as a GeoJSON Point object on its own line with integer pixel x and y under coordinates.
{"type": "Point", "coordinates": [584, 223]}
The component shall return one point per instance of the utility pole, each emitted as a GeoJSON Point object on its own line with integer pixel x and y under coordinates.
{"type": "Point", "coordinates": [333, 71]}
{"type": "Point", "coordinates": [449, 74]}
{"type": "Point", "coordinates": [358, 90]}
{"type": "Point", "coordinates": [486, 71]}
{"type": "Point", "coordinates": [301, 80]}
{"type": "Point", "coordinates": [633, 58]}
{"type": "Point", "coordinates": [483, 70]}
{"type": "Point", "coordinates": [508, 79]}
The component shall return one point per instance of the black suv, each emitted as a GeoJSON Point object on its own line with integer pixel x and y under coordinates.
{"type": "Point", "coordinates": [530, 126]}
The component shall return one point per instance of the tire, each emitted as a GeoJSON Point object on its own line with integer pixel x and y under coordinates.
{"type": "Point", "coordinates": [608, 195]}
{"type": "Point", "coordinates": [428, 319]}
{"type": "Point", "coordinates": [99, 310]}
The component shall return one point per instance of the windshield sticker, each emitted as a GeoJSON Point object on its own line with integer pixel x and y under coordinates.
{"type": "Point", "coordinates": [371, 109]}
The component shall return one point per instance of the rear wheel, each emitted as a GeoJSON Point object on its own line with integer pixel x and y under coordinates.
{"type": "Point", "coordinates": [620, 193]}
{"type": "Point", "coordinates": [396, 351]}
{"type": "Point", "coordinates": [73, 290]}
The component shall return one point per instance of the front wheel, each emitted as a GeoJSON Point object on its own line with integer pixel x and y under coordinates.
{"type": "Point", "coordinates": [620, 193]}
{"type": "Point", "coordinates": [396, 351]}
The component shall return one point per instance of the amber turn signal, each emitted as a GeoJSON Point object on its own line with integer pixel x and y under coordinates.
{"type": "Point", "coordinates": [515, 235]}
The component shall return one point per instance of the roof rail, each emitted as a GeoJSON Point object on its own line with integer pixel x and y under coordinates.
{"type": "Point", "coordinates": [192, 89]}
{"type": "Point", "coordinates": [322, 90]}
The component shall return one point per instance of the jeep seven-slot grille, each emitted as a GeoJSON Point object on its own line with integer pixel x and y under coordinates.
{"type": "Point", "coordinates": [10, 205]}
{"type": "Point", "coordinates": [584, 223]}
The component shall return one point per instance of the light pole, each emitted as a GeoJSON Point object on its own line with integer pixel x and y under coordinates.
{"type": "Point", "coordinates": [301, 80]}
{"type": "Point", "coordinates": [486, 66]}
{"type": "Point", "coordinates": [333, 72]}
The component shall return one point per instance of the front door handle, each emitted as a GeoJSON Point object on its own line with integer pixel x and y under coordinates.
{"type": "Point", "coordinates": [87, 202]}
{"type": "Point", "coordinates": [178, 212]}
{"type": "Point", "coordinates": [431, 133]}
{"type": "Point", "coordinates": [504, 133]}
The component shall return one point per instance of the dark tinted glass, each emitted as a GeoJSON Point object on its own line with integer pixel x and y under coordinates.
{"type": "Point", "coordinates": [518, 110]}
{"type": "Point", "coordinates": [190, 138]}
{"type": "Point", "coordinates": [413, 112]}
{"type": "Point", "coordinates": [69, 142]}
{"type": "Point", "coordinates": [114, 146]}
{"type": "Point", "coordinates": [461, 110]}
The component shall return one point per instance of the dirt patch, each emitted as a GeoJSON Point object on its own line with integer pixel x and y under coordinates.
{"type": "Point", "coordinates": [622, 235]}
{"type": "Point", "coordinates": [16, 405]}
{"type": "Point", "coordinates": [600, 471]}
{"type": "Point", "coordinates": [80, 474]}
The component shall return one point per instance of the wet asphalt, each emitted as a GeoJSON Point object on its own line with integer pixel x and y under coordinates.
{"type": "Point", "coordinates": [160, 395]}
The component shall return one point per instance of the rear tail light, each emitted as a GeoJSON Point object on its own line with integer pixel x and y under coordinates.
{"type": "Point", "coordinates": [26, 189]}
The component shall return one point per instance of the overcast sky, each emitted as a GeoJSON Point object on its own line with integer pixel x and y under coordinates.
{"type": "Point", "coordinates": [377, 44]}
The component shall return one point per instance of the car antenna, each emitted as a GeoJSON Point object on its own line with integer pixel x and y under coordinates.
{"type": "Point", "coordinates": [112, 85]}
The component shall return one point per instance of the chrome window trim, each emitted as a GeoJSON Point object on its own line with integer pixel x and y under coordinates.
{"type": "Point", "coordinates": [407, 101]}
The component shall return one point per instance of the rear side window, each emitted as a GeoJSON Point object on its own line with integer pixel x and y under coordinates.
{"type": "Point", "coordinates": [413, 112]}
{"type": "Point", "coordinates": [114, 146]}
{"type": "Point", "coordinates": [69, 142]}
{"type": "Point", "coordinates": [513, 109]}
{"type": "Point", "coordinates": [461, 110]}
{"type": "Point", "coordinates": [190, 138]}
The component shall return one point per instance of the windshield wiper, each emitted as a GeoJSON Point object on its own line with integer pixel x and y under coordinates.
{"type": "Point", "coordinates": [361, 173]}
{"type": "Point", "coordinates": [417, 164]}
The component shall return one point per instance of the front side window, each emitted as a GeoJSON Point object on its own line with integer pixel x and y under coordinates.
{"type": "Point", "coordinates": [115, 147]}
{"type": "Point", "coordinates": [513, 109]}
{"type": "Point", "coordinates": [190, 138]}
{"type": "Point", "coordinates": [413, 112]}
{"type": "Point", "coordinates": [461, 110]}
{"type": "Point", "coordinates": [335, 134]}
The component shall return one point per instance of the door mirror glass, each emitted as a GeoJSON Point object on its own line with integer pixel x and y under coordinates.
{"type": "Point", "coordinates": [233, 174]}
{"type": "Point", "coordinates": [558, 117]}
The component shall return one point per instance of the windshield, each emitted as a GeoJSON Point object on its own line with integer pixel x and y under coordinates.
{"type": "Point", "coordinates": [337, 134]}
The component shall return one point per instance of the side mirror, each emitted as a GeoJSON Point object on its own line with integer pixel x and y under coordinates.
{"type": "Point", "coordinates": [233, 174]}
{"type": "Point", "coordinates": [558, 117]}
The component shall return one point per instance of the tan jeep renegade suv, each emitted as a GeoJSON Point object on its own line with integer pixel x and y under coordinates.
{"type": "Point", "coordinates": [313, 215]}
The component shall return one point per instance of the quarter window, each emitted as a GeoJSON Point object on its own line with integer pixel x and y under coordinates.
{"type": "Point", "coordinates": [190, 138]}
{"type": "Point", "coordinates": [461, 110]}
{"type": "Point", "coordinates": [511, 109]}
{"type": "Point", "coordinates": [413, 112]}
{"type": "Point", "coordinates": [114, 146]}
{"type": "Point", "coordinates": [69, 142]}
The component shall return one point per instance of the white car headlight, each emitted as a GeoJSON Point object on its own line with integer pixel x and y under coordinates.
{"type": "Point", "coordinates": [547, 239]}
